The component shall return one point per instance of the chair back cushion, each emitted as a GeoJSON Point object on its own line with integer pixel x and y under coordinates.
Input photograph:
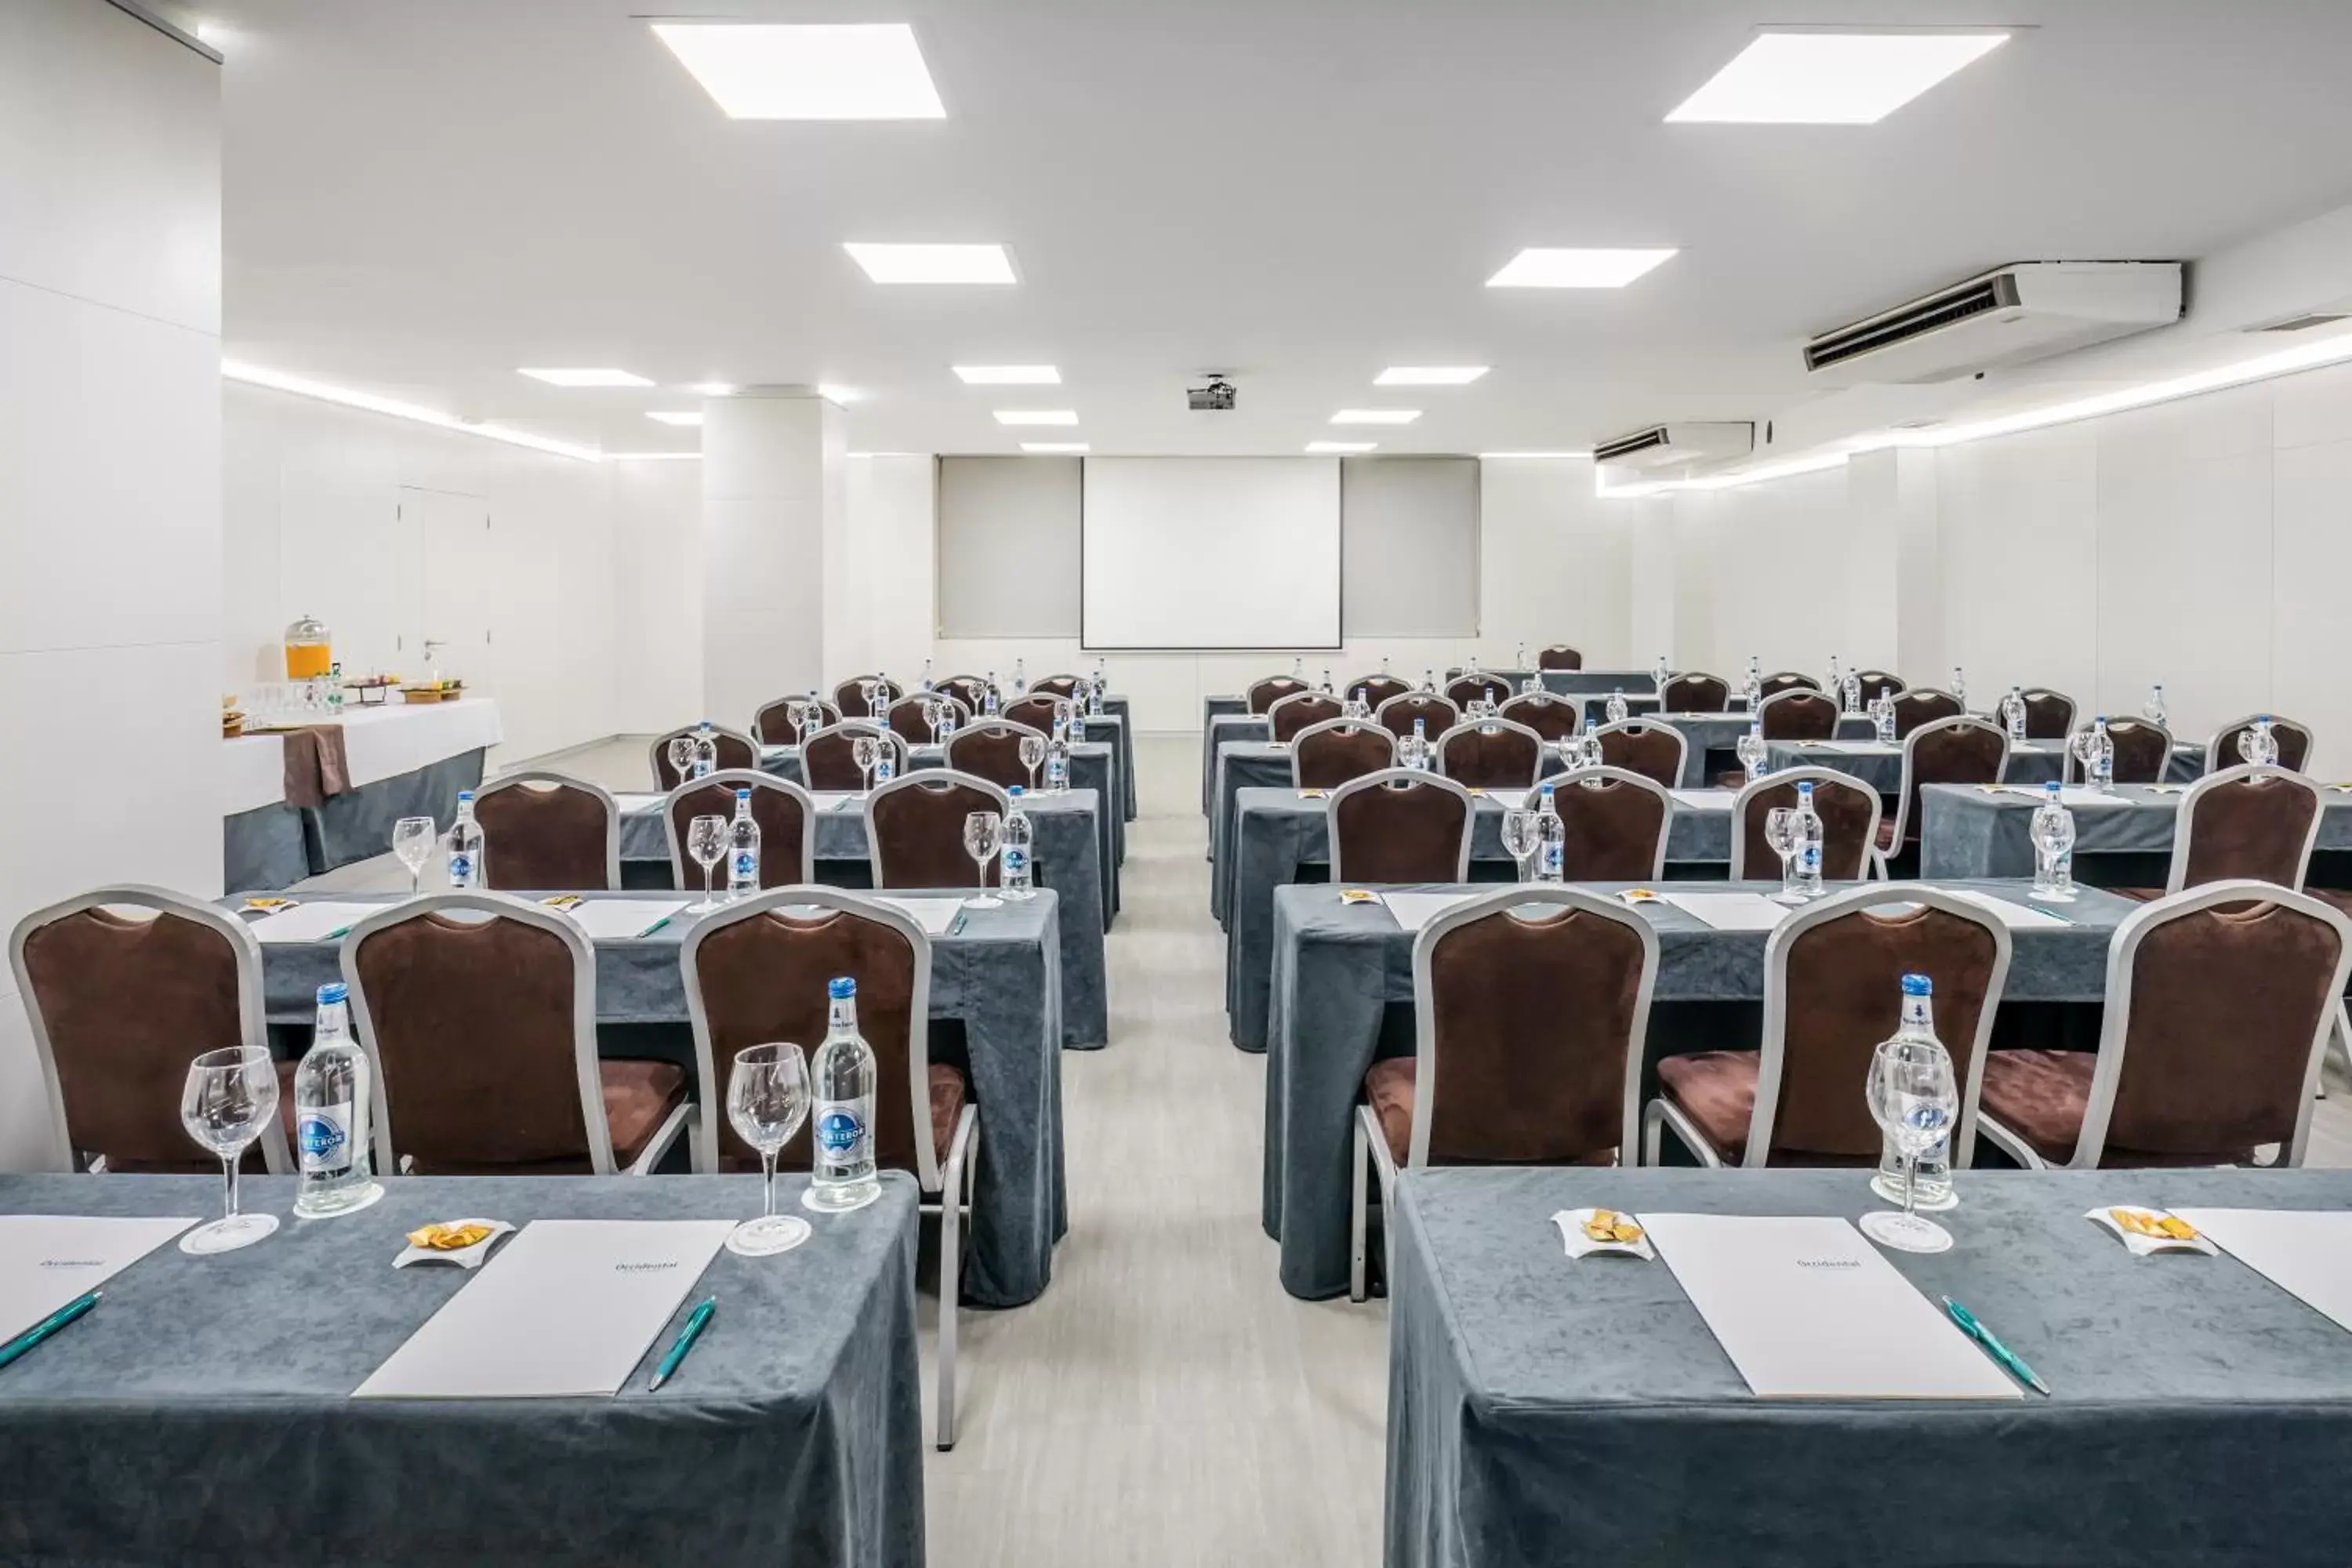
{"type": "Point", "coordinates": [850, 697]}
{"type": "Point", "coordinates": [1559, 655]}
{"type": "Point", "coordinates": [1554, 718]}
{"type": "Point", "coordinates": [2257, 826]}
{"type": "Point", "coordinates": [1377, 688]}
{"type": "Point", "coordinates": [1652, 751]}
{"type": "Point", "coordinates": [1294, 712]}
{"type": "Point", "coordinates": [2049, 715]}
{"type": "Point", "coordinates": [2143, 750]}
{"type": "Point", "coordinates": [733, 751]}
{"type": "Point", "coordinates": [1055, 686]}
{"type": "Point", "coordinates": [1874, 681]}
{"type": "Point", "coordinates": [1399, 833]}
{"type": "Point", "coordinates": [1787, 680]}
{"type": "Point", "coordinates": [1849, 824]}
{"type": "Point", "coordinates": [2293, 744]}
{"type": "Point", "coordinates": [907, 721]}
{"type": "Point", "coordinates": [1532, 1020]}
{"type": "Point", "coordinates": [1613, 829]}
{"type": "Point", "coordinates": [969, 689]}
{"type": "Point", "coordinates": [1436, 714]}
{"type": "Point", "coordinates": [1266, 693]}
{"type": "Point", "coordinates": [1964, 753]}
{"type": "Point", "coordinates": [773, 725]}
{"type": "Point", "coordinates": [829, 761]}
{"type": "Point", "coordinates": [541, 838]}
{"type": "Point", "coordinates": [1799, 714]}
{"type": "Point", "coordinates": [919, 833]}
{"type": "Point", "coordinates": [991, 750]}
{"type": "Point", "coordinates": [1697, 693]}
{"type": "Point", "coordinates": [1913, 710]}
{"type": "Point", "coordinates": [1035, 710]}
{"type": "Point", "coordinates": [1473, 685]}
{"type": "Point", "coordinates": [1329, 758]}
{"type": "Point", "coordinates": [782, 828]}
{"type": "Point", "coordinates": [1490, 756]}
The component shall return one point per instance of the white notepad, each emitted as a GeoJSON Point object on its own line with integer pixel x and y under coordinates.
{"type": "Point", "coordinates": [837, 800]}
{"type": "Point", "coordinates": [49, 1259]}
{"type": "Point", "coordinates": [2308, 1256]}
{"type": "Point", "coordinates": [2016, 916]}
{"type": "Point", "coordinates": [1806, 1309]}
{"type": "Point", "coordinates": [626, 803]}
{"type": "Point", "coordinates": [311, 922]}
{"type": "Point", "coordinates": [2069, 794]}
{"type": "Point", "coordinates": [568, 1309]}
{"type": "Point", "coordinates": [621, 920]}
{"type": "Point", "coordinates": [1729, 911]}
{"type": "Point", "coordinates": [934, 915]}
{"type": "Point", "coordinates": [1705, 799]}
{"type": "Point", "coordinates": [1414, 911]}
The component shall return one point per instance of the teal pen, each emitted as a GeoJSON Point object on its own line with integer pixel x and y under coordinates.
{"type": "Point", "coordinates": [2008, 1358]}
{"type": "Point", "coordinates": [955, 926]}
{"type": "Point", "coordinates": [686, 1338]}
{"type": "Point", "coordinates": [70, 1312]}
{"type": "Point", "coordinates": [655, 927]}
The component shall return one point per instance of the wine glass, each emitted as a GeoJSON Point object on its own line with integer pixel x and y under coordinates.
{"type": "Point", "coordinates": [864, 751]}
{"type": "Point", "coordinates": [230, 1095]}
{"type": "Point", "coordinates": [984, 836]}
{"type": "Point", "coordinates": [797, 710]}
{"type": "Point", "coordinates": [767, 1100]}
{"type": "Point", "coordinates": [1033, 752]}
{"type": "Point", "coordinates": [2053, 849]}
{"type": "Point", "coordinates": [1781, 834]}
{"type": "Point", "coordinates": [1751, 749]}
{"type": "Point", "coordinates": [1915, 1103]}
{"type": "Point", "coordinates": [871, 691]}
{"type": "Point", "coordinates": [412, 838]}
{"type": "Point", "coordinates": [706, 840]}
{"type": "Point", "coordinates": [681, 758]}
{"type": "Point", "coordinates": [934, 710]}
{"type": "Point", "coordinates": [1519, 836]}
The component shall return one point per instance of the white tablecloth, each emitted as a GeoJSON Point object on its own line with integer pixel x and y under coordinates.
{"type": "Point", "coordinates": [379, 742]}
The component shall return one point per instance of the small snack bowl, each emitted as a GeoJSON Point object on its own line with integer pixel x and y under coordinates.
{"type": "Point", "coordinates": [2147, 1230]}
{"type": "Point", "coordinates": [1602, 1230]}
{"type": "Point", "coordinates": [464, 1242]}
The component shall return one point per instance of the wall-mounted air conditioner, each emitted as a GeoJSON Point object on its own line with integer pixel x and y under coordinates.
{"type": "Point", "coordinates": [1679, 446]}
{"type": "Point", "coordinates": [2009, 316]}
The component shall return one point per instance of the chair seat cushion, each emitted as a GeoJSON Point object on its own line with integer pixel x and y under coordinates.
{"type": "Point", "coordinates": [638, 1098]}
{"type": "Point", "coordinates": [1886, 833]}
{"type": "Point", "coordinates": [2041, 1096]}
{"type": "Point", "coordinates": [1717, 1090]}
{"type": "Point", "coordinates": [2138, 895]}
{"type": "Point", "coordinates": [1388, 1091]}
{"type": "Point", "coordinates": [949, 1092]}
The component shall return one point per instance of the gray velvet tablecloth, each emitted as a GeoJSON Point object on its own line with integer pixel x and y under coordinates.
{"type": "Point", "coordinates": [1881, 767]}
{"type": "Point", "coordinates": [1966, 831]}
{"type": "Point", "coordinates": [1277, 833]}
{"type": "Point", "coordinates": [1067, 862]}
{"type": "Point", "coordinates": [1214, 734]}
{"type": "Point", "coordinates": [200, 1413]}
{"type": "Point", "coordinates": [1112, 727]}
{"type": "Point", "coordinates": [261, 848]}
{"type": "Point", "coordinates": [2200, 1414]}
{"type": "Point", "coordinates": [1337, 968]}
{"type": "Point", "coordinates": [998, 978]}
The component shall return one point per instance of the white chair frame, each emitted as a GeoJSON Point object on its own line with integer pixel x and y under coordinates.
{"type": "Point", "coordinates": [1388, 777]}
{"type": "Point", "coordinates": [932, 778]}
{"type": "Point", "coordinates": [901, 753]}
{"type": "Point", "coordinates": [1311, 695]}
{"type": "Point", "coordinates": [738, 778]}
{"type": "Point", "coordinates": [506, 906]}
{"type": "Point", "coordinates": [1758, 716]}
{"type": "Point", "coordinates": [829, 712]}
{"type": "Point", "coordinates": [2030, 693]}
{"type": "Point", "coordinates": [1559, 783]}
{"type": "Point", "coordinates": [1338, 726]}
{"type": "Point", "coordinates": [1951, 697]}
{"type": "Point", "coordinates": [1451, 707]}
{"type": "Point", "coordinates": [1249, 691]}
{"type": "Point", "coordinates": [2215, 761]}
{"type": "Point", "coordinates": [2071, 766]}
{"type": "Point", "coordinates": [1490, 683]}
{"type": "Point", "coordinates": [2184, 823]}
{"type": "Point", "coordinates": [657, 759]}
{"type": "Point", "coordinates": [1642, 727]}
{"type": "Point", "coordinates": [565, 782]}
{"type": "Point", "coordinates": [252, 1012]}
{"type": "Point", "coordinates": [962, 711]}
{"type": "Point", "coordinates": [1729, 690]}
{"type": "Point", "coordinates": [892, 692]}
{"type": "Point", "coordinates": [1773, 1062]}
{"type": "Point", "coordinates": [1820, 778]}
{"type": "Point", "coordinates": [1493, 726]}
{"type": "Point", "coordinates": [1904, 785]}
{"type": "Point", "coordinates": [1371, 1144]}
{"type": "Point", "coordinates": [996, 726]}
{"type": "Point", "coordinates": [1542, 698]}
{"type": "Point", "coordinates": [2114, 1024]}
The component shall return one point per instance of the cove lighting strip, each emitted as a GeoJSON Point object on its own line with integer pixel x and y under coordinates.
{"type": "Point", "coordinates": [2195, 383]}
{"type": "Point", "coordinates": [302, 386]}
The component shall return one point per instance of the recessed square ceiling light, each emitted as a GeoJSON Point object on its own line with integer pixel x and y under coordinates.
{"type": "Point", "coordinates": [1036, 416]}
{"type": "Point", "coordinates": [1008, 375]}
{"type": "Point", "coordinates": [1429, 376]}
{"type": "Point", "coordinates": [601, 377]}
{"type": "Point", "coordinates": [1376, 417]}
{"type": "Point", "coordinates": [1332, 447]}
{"type": "Point", "coordinates": [675, 415]}
{"type": "Point", "coordinates": [1055, 446]}
{"type": "Point", "coordinates": [1540, 267]}
{"type": "Point", "coordinates": [1831, 78]}
{"type": "Point", "coordinates": [933, 263]}
{"type": "Point", "coordinates": [767, 71]}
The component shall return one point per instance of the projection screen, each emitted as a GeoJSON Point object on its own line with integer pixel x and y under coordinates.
{"type": "Point", "coordinates": [1211, 552]}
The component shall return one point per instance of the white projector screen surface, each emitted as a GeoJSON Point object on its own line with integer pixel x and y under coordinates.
{"type": "Point", "coordinates": [1211, 552]}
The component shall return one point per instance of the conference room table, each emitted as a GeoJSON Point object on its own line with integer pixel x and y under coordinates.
{"type": "Point", "coordinates": [1881, 766]}
{"type": "Point", "coordinates": [203, 1412]}
{"type": "Point", "coordinates": [2122, 840]}
{"type": "Point", "coordinates": [1544, 1412]}
{"type": "Point", "coordinates": [998, 977]}
{"type": "Point", "coordinates": [1340, 968]}
{"type": "Point", "coordinates": [1219, 731]}
{"type": "Point", "coordinates": [1280, 835]}
{"type": "Point", "coordinates": [1576, 682]}
{"type": "Point", "coordinates": [1068, 861]}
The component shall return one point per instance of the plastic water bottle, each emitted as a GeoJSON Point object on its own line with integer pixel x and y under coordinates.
{"type": "Point", "coordinates": [705, 751]}
{"type": "Point", "coordinates": [1660, 674]}
{"type": "Point", "coordinates": [467, 849]}
{"type": "Point", "coordinates": [1837, 680]}
{"type": "Point", "coordinates": [988, 703]}
{"type": "Point", "coordinates": [1327, 680]}
{"type": "Point", "coordinates": [1298, 669]}
{"type": "Point", "coordinates": [2053, 847]}
{"type": "Point", "coordinates": [1617, 709]}
{"type": "Point", "coordinates": [926, 675]}
{"type": "Point", "coordinates": [1551, 839]}
{"type": "Point", "coordinates": [742, 850]}
{"type": "Point", "coordinates": [2012, 714]}
{"type": "Point", "coordinates": [885, 760]}
{"type": "Point", "coordinates": [841, 1115]}
{"type": "Point", "coordinates": [1851, 689]}
{"type": "Point", "coordinates": [1805, 865]}
{"type": "Point", "coordinates": [1102, 674]}
{"type": "Point", "coordinates": [1057, 759]}
{"type": "Point", "coordinates": [1754, 752]}
{"type": "Point", "coordinates": [1015, 869]}
{"type": "Point", "coordinates": [1754, 683]}
{"type": "Point", "coordinates": [2260, 744]}
{"type": "Point", "coordinates": [1932, 1175]}
{"type": "Point", "coordinates": [1885, 714]}
{"type": "Point", "coordinates": [331, 1100]}
{"type": "Point", "coordinates": [1519, 657]}
{"type": "Point", "coordinates": [1959, 685]}
{"type": "Point", "coordinates": [2154, 708]}
{"type": "Point", "coordinates": [1416, 750]}
{"type": "Point", "coordinates": [1095, 695]}
{"type": "Point", "coordinates": [1384, 664]}
{"type": "Point", "coordinates": [1428, 678]}
{"type": "Point", "coordinates": [2099, 759]}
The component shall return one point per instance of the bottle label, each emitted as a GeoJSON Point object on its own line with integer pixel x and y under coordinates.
{"type": "Point", "coordinates": [1016, 861]}
{"type": "Point", "coordinates": [840, 1132]}
{"type": "Point", "coordinates": [461, 869]}
{"type": "Point", "coordinates": [747, 866]}
{"type": "Point", "coordinates": [1555, 857]}
{"type": "Point", "coordinates": [881, 770]}
{"type": "Point", "coordinates": [323, 1135]}
{"type": "Point", "coordinates": [1809, 858]}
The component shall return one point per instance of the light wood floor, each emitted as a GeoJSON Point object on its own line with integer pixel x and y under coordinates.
{"type": "Point", "coordinates": [1164, 1404]}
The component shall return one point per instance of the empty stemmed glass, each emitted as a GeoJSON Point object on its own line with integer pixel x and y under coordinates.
{"type": "Point", "coordinates": [412, 838]}
{"type": "Point", "coordinates": [934, 711]}
{"type": "Point", "coordinates": [1751, 749]}
{"type": "Point", "coordinates": [767, 1100]}
{"type": "Point", "coordinates": [1914, 1101]}
{"type": "Point", "coordinates": [1780, 834]}
{"type": "Point", "coordinates": [984, 836]}
{"type": "Point", "coordinates": [1033, 752]}
{"type": "Point", "coordinates": [798, 712]}
{"type": "Point", "coordinates": [681, 756]}
{"type": "Point", "coordinates": [863, 750]}
{"type": "Point", "coordinates": [231, 1094]}
{"type": "Point", "coordinates": [1519, 836]}
{"type": "Point", "coordinates": [2053, 855]}
{"type": "Point", "coordinates": [872, 691]}
{"type": "Point", "coordinates": [706, 840]}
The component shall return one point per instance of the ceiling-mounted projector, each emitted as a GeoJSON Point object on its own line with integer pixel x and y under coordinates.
{"type": "Point", "coordinates": [1684, 445]}
{"type": "Point", "coordinates": [1217, 397]}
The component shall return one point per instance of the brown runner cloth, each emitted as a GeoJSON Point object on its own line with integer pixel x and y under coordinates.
{"type": "Point", "coordinates": [316, 764]}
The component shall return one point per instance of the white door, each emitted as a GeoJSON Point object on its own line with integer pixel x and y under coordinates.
{"type": "Point", "coordinates": [457, 579]}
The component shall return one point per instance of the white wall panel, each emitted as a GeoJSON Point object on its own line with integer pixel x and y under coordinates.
{"type": "Point", "coordinates": [1008, 545]}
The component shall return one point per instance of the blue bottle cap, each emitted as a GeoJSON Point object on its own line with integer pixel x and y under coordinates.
{"type": "Point", "coordinates": [844, 988]}
{"type": "Point", "coordinates": [1015, 791]}
{"type": "Point", "coordinates": [464, 797]}
{"type": "Point", "coordinates": [2049, 786]}
{"type": "Point", "coordinates": [1805, 788]}
{"type": "Point", "coordinates": [332, 992]}
{"type": "Point", "coordinates": [1917, 986]}
{"type": "Point", "coordinates": [1547, 790]}
{"type": "Point", "coordinates": [742, 795]}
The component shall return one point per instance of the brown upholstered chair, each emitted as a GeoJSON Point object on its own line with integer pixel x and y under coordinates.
{"type": "Point", "coordinates": [786, 815]}
{"type": "Point", "coordinates": [1055, 686]}
{"type": "Point", "coordinates": [1437, 715]}
{"type": "Point", "coordinates": [1553, 716]}
{"type": "Point", "coordinates": [1400, 825]}
{"type": "Point", "coordinates": [850, 696]}
{"type": "Point", "coordinates": [1772, 686]}
{"type": "Point", "coordinates": [1923, 705]}
{"type": "Point", "coordinates": [2243, 824]}
{"type": "Point", "coordinates": [482, 1032]}
{"type": "Point", "coordinates": [2293, 743]}
{"type": "Point", "coordinates": [1559, 655]}
{"type": "Point", "coordinates": [1874, 681]}
{"type": "Point", "coordinates": [991, 749]}
{"type": "Point", "coordinates": [772, 724]}
{"type": "Point", "coordinates": [1950, 750]}
{"type": "Point", "coordinates": [972, 690]}
{"type": "Point", "coordinates": [2049, 715]}
{"type": "Point", "coordinates": [735, 748]}
{"type": "Point", "coordinates": [2220, 1001]}
{"type": "Point", "coordinates": [914, 829]}
{"type": "Point", "coordinates": [1798, 713]}
{"type": "Point", "coordinates": [1832, 990]}
{"type": "Point", "coordinates": [1264, 694]}
{"type": "Point", "coordinates": [1849, 811]}
{"type": "Point", "coordinates": [1037, 710]}
{"type": "Point", "coordinates": [910, 716]}
{"type": "Point", "coordinates": [1490, 754]}
{"type": "Point", "coordinates": [1616, 823]}
{"type": "Point", "coordinates": [1692, 692]}
{"type": "Point", "coordinates": [1646, 746]}
{"type": "Point", "coordinates": [758, 972]}
{"type": "Point", "coordinates": [2142, 752]}
{"type": "Point", "coordinates": [1299, 709]}
{"type": "Point", "coordinates": [1529, 1034]}
{"type": "Point", "coordinates": [1472, 685]}
{"type": "Point", "coordinates": [1376, 689]}
{"type": "Point", "coordinates": [1326, 755]}
{"type": "Point", "coordinates": [544, 832]}
{"type": "Point", "coordinates": [829, 760]}
{"type": "Point", "coordinates": [121, 1003]}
